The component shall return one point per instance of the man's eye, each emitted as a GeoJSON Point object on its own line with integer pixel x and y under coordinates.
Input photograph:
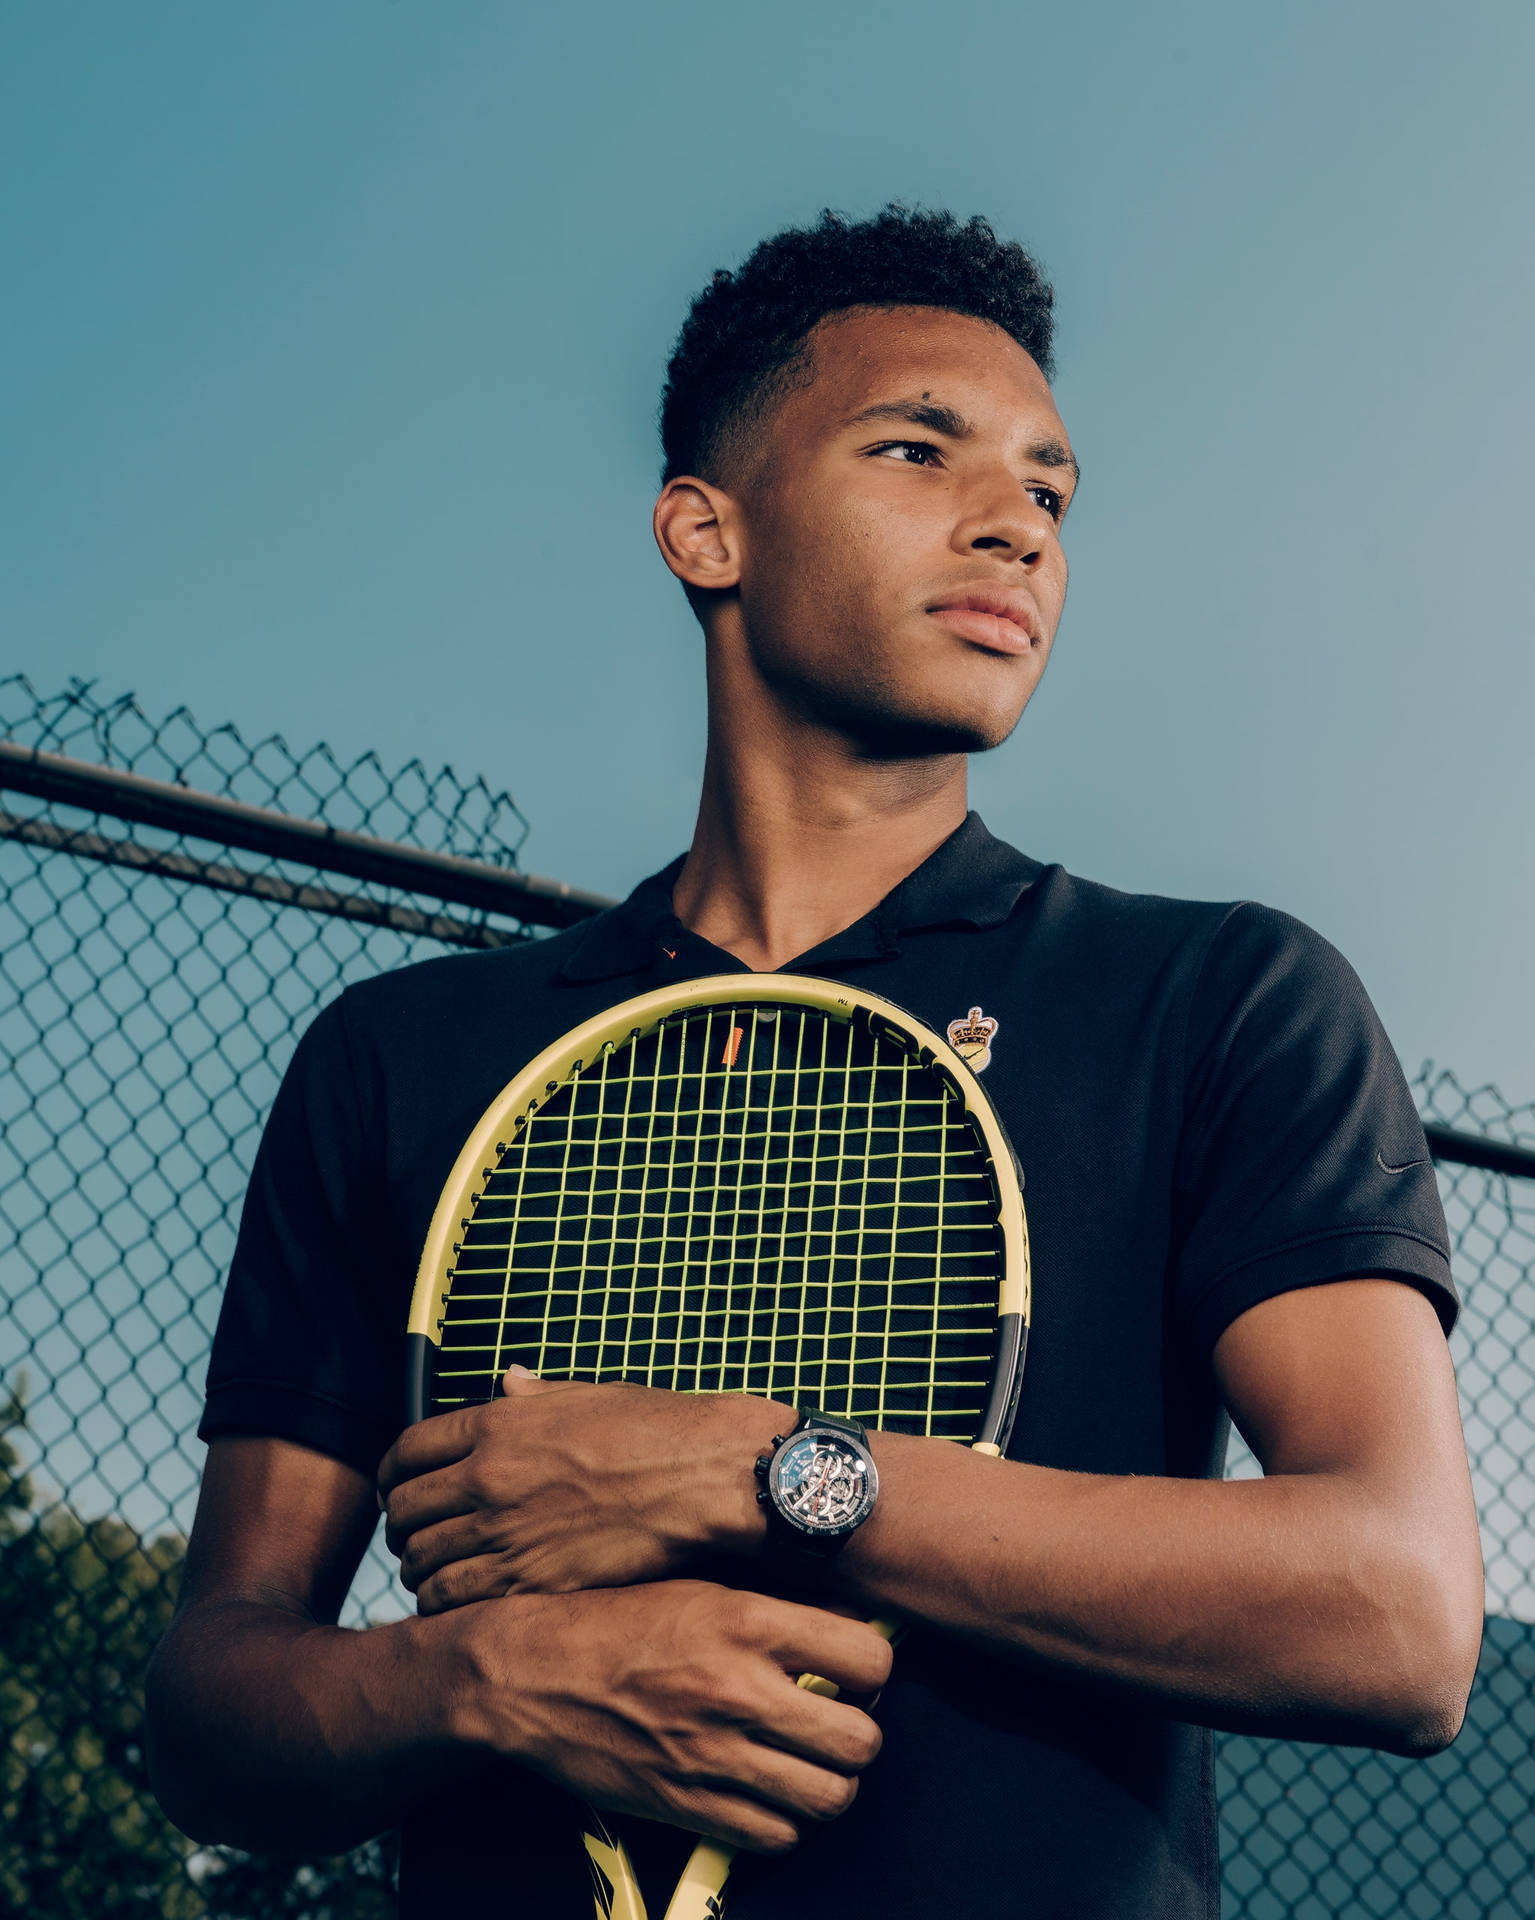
{"type": "Point", "coordinates": [915, 453]}
{"type": "Point", "coordinates": [1049, 499]}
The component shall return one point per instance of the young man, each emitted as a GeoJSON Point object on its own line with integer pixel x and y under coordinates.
{"type": "Point", "coordinates": [1230, 1201]}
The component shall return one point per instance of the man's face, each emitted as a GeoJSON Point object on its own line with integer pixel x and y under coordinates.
{"type": "Point", "coordinates": [900, 513]}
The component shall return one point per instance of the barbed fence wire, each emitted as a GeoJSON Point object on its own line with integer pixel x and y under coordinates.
{"type": "Point", "coordinates": [176, 903]}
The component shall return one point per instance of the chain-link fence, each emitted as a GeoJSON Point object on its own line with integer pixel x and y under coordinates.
{"type": "Point", "coordinates": [158, 960]}
{"type": "Point", "coordinates": [1334, 1833]}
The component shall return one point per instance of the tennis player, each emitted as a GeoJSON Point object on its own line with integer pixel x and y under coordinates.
{"type": "Point", "coordinates": [1231, 1207]}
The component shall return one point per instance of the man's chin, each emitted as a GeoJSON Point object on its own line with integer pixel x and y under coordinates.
{"type": "Point", "coordinates": [929, 736]}
{"type": "Point", "coordinates": [887, 721]}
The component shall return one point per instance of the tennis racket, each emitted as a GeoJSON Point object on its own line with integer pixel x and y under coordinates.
{"type": "Point", "coordinates": [748, 1183]}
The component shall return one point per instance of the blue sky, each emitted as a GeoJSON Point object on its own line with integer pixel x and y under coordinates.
{"type": "Point", "coordinates": [332, 334]}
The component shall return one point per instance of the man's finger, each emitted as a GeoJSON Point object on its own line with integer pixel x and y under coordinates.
{"type": "Point", "coordinates": [522, 1380]}
{"type": "Point", "coordinates": [519, 1383]}
{"type": "Point", "coordinates": [436, 1442]}
{"type": "Point", "coordinates": [822, 1732]}
{"type": "Point", "coordinates": [808, 1639]}
{"type": "Point", "coordinates": [798, 1787]}
{"type": "Point", "coordinates": [460, 1537]}
{"type": "Point", "coordinates": [460, 1582]}
{"type": "Point", "coordinates": [734, 1820]}
{"type": "Point", "coordinates": [424, 1501]}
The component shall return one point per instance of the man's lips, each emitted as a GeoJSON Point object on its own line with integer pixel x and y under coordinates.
{"type": "Point", "coordinates": [1001, 621]}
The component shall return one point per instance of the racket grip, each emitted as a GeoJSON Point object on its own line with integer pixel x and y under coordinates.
{"type": "Point", "coordinates": [703, 1879]}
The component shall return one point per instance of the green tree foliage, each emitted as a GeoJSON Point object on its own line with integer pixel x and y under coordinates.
{"type": "Point", "coordinates": [82, 1604]}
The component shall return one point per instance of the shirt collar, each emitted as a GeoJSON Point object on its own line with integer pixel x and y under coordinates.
{"type": "Point", "coordinates": [972, 880]}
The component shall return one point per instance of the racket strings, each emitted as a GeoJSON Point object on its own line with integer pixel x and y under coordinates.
{"type": "Point", "coordinates": [758, 1200]}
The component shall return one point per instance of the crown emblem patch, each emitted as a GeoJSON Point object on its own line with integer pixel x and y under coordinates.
{"type": "Point", "coordinates": [971, 1038]}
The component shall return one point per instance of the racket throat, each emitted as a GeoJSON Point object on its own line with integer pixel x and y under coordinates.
{"type": "Point", "coordinates": [701, 1890]}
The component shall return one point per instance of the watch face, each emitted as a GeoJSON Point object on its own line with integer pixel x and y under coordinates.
{"type": "Point", "coordinates": [822, 1483]}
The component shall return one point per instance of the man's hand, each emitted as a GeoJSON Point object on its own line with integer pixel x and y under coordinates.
{"type": "Point", "coordinates": [560, 1487]}
{"type": "Point", "coordinates": [272, 1729]}
{"type": "Point", "coordinates": [678, 1702]}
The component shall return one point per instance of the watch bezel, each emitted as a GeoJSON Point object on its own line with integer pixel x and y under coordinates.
{"type": "Point", "coordinates": [822, 1436]}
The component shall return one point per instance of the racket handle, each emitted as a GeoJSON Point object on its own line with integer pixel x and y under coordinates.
{"type": "Point", "coordinates": [703, 1879]}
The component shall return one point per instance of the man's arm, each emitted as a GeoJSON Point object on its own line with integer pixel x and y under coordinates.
{"type": "Point", "coordinates": [1338, 1598]}
{"type": "Point", "coordinates": [269, 1726]}
{"type": "Point", "coordinates": [272, 1728]}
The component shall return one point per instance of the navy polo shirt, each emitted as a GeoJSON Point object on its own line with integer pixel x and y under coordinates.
{"type": "Point", "coordinates": [1207, 1113]}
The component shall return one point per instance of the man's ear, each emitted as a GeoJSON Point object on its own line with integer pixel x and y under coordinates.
{"type": "Point", "coordinates": [698, 529]}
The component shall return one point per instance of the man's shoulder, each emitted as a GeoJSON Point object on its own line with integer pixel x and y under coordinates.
{"type": "Point", "coordinates": [505, 1002]}
{"type": "Point", "coordinates": [465, 979]}
{"type": "Point", "coordinates": [1084, 922]}
{"type": "Point", "coordinates": [1085, 947]}
{"type": "Point", "coordinates": [1218, 933]}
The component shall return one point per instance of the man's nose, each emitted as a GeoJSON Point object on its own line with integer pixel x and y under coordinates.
{"type": "Point", "coordinates": [1008, 522]}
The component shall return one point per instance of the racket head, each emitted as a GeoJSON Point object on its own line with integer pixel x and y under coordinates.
{"type": "Point", "coordinates": [762, 1183]}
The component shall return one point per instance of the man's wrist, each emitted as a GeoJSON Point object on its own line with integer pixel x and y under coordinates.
{"type": "Point", "coordinates": [470, 1668]}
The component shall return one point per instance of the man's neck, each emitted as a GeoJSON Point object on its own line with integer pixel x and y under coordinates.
{"type": "Point", "coordinates": [790, 848]}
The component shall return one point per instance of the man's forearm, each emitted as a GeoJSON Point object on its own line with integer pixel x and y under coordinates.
{"type": "Point", "coordinates": [1298, 1604]}
{"type": "Point", "coordinates": [271, 1732]}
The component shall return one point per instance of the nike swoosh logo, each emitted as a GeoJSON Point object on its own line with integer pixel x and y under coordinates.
{"type": "Point", "coordinates": [1386, 1167]}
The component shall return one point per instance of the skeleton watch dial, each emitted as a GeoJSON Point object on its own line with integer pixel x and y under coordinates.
{"type": "Point", "coordinates": [822, 1484]}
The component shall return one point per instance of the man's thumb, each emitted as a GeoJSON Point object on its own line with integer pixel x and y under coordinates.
{"type": "Point", "coordinates": [522, 1380]}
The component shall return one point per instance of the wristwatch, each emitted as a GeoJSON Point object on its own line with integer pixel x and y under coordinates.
{"type": "Point", "coordinates": [819, 1484]}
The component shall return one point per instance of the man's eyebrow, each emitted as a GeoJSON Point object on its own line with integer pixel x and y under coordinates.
{"type": "Point", "coordinates": [918, 413]}
{"type": "Point", "coordinates": [1055, 453]}
{"type": "Point", "coordinates": [948, 420]}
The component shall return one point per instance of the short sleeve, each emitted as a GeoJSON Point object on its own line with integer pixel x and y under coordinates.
{"type": "Point", "coordinates": [1301, 1158]}
{"type": "Point", "coordinates": [301, 1351]}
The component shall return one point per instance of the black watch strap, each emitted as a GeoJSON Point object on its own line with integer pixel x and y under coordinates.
{"type": "Point", "coordinates": [814, 1417]}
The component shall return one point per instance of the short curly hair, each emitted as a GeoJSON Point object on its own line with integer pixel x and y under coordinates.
{"type": "Point", "coordinates": [744, 341]}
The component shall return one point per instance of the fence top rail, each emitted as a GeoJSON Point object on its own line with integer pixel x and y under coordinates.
{"type": "Point", "coordinates": [281, 836]}
{"type": "Point", "coordinates": [1481, 1150]}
